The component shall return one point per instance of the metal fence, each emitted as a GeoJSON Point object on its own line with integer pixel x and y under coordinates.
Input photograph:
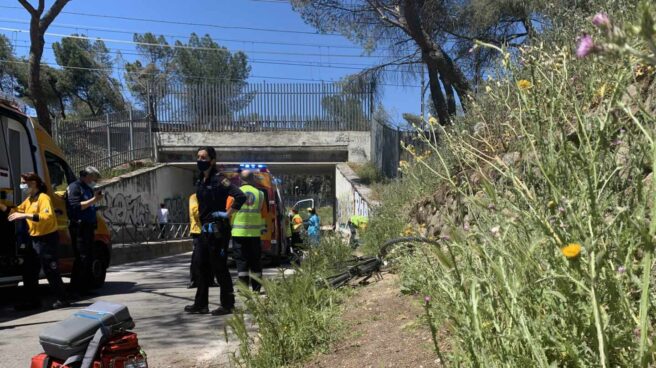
{"type": "Point", "coordinates": [105, 141]}
{"type": "Point", "coordinates": [127, 233]}
{"type": "Point", "coordinates": [259, 107]}
{"type": "Point", "coordinates": [387, 147]}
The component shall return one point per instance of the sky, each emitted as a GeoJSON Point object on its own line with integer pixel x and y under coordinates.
{"type": "Point", "coordinates": [332, 56]}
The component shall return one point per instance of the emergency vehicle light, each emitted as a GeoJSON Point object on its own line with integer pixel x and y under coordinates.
{"type": "Point", "coordinates": [252, 166]}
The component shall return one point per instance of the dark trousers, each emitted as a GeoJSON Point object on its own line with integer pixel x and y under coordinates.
{"type": "Point", "coordinates": [296, 238]}
{"type": "Point", "coordinates": [82, 238]}
{"type": "Point", "coordinates": [43, 255]}
{"type": "Point", "coordinates": [211, 255]}
{"type": "Point", "coordinates": [248, 253]}
{"type": "Point", "coordinates": [195, 238]}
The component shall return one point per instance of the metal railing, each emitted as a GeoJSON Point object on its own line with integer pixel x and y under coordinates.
{"type": "Point", "coordinates": [105, 141]}
{"type": "Point", "coordinates": [244, 107]}
{"type": "Point", "coordinates": [124, 233]}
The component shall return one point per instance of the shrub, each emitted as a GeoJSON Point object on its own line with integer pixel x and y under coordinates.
{"type": "Point", "coordinates": [298, 316]}
{"type": "Point", "coordinates": [553, 168]}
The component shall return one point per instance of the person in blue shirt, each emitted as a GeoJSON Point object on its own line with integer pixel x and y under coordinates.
{"type": "Point", "coordinates": [81, 199]}
{"type": "Point", "coordinates": [313, 227]}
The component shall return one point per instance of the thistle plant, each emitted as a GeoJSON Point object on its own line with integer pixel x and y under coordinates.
{"type": "Point", "coordinates": [552, 166]}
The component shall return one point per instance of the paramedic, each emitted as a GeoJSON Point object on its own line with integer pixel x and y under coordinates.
{"type": "Point", "coordinates": [39, 213]}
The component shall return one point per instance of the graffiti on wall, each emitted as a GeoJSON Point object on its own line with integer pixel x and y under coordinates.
{"type": "Point", "coordinates": [178, 209]}
{"type": "Point", "coordinates": [349, 204]}
{"type": "Point", "coordinates": [126, 209]}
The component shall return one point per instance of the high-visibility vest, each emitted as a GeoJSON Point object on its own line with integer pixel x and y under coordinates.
{"type": "Point", "coordinates": [194, 217]}
{"type": "Point", "coordinates": [297, 222]}
{"type": "Point", "coordinates": [248, 221]}
{"type": "Point", "coordinates": [360, 222]}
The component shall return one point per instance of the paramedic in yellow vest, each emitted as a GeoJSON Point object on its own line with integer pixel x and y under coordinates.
{"type": "Point", "coordinates": [194, 230]}
{"type": "Point", "coordinates": [39, 213]}
{"type": "Point", "coordinates": [248, 225]}
{"type": "Point", "coordinates": [297, 226]}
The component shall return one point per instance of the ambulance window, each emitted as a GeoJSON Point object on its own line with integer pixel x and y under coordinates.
{"type": "Point", "coordinates": [20, 154]}
{"type": "Point", "coordinates": [60, 174]}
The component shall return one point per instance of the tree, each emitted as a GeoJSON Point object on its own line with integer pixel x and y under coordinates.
{"type": "Point", "coordinates": [148, 79]}
{"type": "Point", "coordinates": [39, 23]}
{"type": "Point", "coordinates": [426, 33]}
{"type": "Point", "coordinates": [86, 73]}
{"type": "Point", "coordinates": [55, 93]}
{"type": "Point", "coordinates": [7, 65]}
{"type": "Point", "coordinates": [202, 60]}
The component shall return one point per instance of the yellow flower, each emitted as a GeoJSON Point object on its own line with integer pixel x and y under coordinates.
{"type": "Point", "coordinates": [524, 85]}
{"type": "Point", "coordinates": [432, 121]}
{"type": "Point", "coordinates": [601, 92]}
{"type": "Point", "coordinates": [571, 250]}
{"type": "Point", "coordinates": [403, 163]}
{"type": "Point", "coordinates": [488, 89]}
{"type": "Point", "coordinates": [551, 205]}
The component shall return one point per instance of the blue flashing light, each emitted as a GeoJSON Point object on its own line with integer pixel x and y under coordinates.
{"type": "Point", "coordinates": [252, 166]}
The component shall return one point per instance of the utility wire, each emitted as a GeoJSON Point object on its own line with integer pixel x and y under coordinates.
{"type": "Point", "coordinates": [164, 21]}
{"type": "Point", "coordinates": [274, 62]}
{"type": "Point", "coordinates": [117, 68]}
{"type": "Point", "coordinates": [185, 47]}
{"type": "Point", "coordinates": [80, 27]}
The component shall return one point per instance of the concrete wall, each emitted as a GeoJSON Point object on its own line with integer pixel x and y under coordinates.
{"type": "Point", "coordinates": [279, 146]}
{"type": "Point", "coordinates": [135, 197]}
{"type": "Point", "coordinates": [352, 198]}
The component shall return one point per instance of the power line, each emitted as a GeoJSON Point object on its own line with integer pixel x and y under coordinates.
{"type": "Point", "coordinates": [79, 27]}
{"type": "Point", "coordinates": [111, 40]}
{"type": "Point", "coordinates": [277, 62]}
{"type": "Point", "coordinates": [117, 68]}
{"type": "Point", "coordinates": [164, 21]}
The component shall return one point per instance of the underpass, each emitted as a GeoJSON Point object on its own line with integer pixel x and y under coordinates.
{"type": "Point", "coordinates": [156, 292]}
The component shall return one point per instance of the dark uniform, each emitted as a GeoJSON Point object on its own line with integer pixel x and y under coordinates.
{"type": "Point", "coordinates": [82, 228]}
{"type": "Point", "coordinates": [211, 253]}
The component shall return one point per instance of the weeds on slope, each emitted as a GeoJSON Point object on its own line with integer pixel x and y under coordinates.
{"type": "Point", "coordinates": [298, 316]}
{"type": "Point", "coordinates": [553, 170]}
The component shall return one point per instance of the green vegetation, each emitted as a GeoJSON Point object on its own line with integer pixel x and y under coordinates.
{"type": "Point", "coordinates": [298, 316]}
{"type": "Point", "coordinates": [368, 173]}
{"type": "Point", "coordinates": [543, 198]}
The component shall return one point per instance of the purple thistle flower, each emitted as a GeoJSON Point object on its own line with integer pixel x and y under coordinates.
{"type": "Point", "coordinates": [601, 20]}
{"type": "Point", "coordinates": [621, 269]}
{"type": "Point", "coordinates": [586, 46]}
{"type": "Point", "coordinates": [427, 299]}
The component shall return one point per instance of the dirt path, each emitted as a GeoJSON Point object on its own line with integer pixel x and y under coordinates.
{"type": "Point", "coordinates": [382, 331]}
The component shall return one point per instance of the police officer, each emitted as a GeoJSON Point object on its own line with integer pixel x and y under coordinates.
{"type": "Point", "coordinates": [81, 202]}
{"type": "Point", "coordinates": [248, 225]}
{"type": "Point", "coordinates": [212, 192]}
{"type": "Point", "coordinates": [38, 212]}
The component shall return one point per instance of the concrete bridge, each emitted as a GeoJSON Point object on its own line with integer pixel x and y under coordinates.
{"type": "Point", "coordinates": [272, 147]}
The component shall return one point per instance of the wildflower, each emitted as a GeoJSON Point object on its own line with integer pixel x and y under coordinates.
{"type": "Point", "coordinates": [524, 85]}
{"type": "Point", "coordinates": [586, 46]}
{"type": "Point", "coordinates": [466, 226]}
{"type": "Point", "coordinates": [445, 237]}
{"type": "Point", "coordinates": [551, 205]}
{"type": "Point", "coordinates": [621, 269]}
{"type": "Point", "coordinates": [488, 89]}
{"type": "Point", "coordinates": [601, 20]}
{"type": "Point", "coordinates": [427, 299]}
{"type": "Point", "coordinates": [601, 92]}
{"type": "Point", "coordinates": [432, 121]}
{"type": "Point", "coordinates": [495, 230]}
{"type": "Point", "coordinates": [491, 207]}
{"type": "Point", "coordinates": [571, 250]}
{"type": "Point", "coordinates": [561, 209]}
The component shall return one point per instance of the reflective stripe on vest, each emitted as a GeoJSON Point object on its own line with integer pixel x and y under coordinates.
{"type": "Point", "coordinates": [248, 221]}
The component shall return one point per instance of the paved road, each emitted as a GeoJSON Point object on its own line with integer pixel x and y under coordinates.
{"type": "Point", "coordinates": [155, 292]}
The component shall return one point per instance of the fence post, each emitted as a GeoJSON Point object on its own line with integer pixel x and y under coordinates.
{"type": "Point", "coordinates": [131, 126]}
{"type": "Point", "coordinates": [109, 142]}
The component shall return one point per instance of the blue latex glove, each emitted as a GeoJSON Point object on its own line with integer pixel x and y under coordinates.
{"type": "Point", "coordinates": [220, 214]}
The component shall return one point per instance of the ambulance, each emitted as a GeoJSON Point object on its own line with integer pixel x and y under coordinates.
{"type": "Point", "coordinates": [274, 241]}
{"type": "Point", "coordinates": [26, 147]}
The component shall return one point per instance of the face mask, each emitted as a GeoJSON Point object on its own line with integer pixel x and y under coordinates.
{"type": "Point", "coordinates": [25, 189]}
{"type": "Point", "coordinates": [203, 165]}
